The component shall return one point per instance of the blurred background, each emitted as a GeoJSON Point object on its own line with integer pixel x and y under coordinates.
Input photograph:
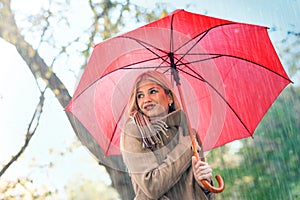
{"type": "Point", "coordinates": [45, 44]}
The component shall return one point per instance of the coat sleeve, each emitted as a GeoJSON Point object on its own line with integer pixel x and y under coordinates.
{"type": "Point", "coordinates": [152, 178]}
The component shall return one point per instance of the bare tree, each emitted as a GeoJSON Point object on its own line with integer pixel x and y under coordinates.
{"type": "Point", "coordinates": [103, 26]}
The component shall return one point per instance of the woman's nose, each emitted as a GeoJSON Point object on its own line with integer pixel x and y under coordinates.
{"type": "Point", "coordinates": [147, 98]}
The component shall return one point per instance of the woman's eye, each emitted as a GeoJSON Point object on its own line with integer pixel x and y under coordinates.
{"type": "Point", "coordinates": [139, 96]}
{"type": "Point", "coordinates": [153, 91]}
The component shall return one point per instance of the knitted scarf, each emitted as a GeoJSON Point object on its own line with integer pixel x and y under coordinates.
{"type": "Point", "coordinates": [150, 132]}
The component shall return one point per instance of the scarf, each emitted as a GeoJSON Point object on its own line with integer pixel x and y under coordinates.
{"type": "Point", "coordinates": [150, 132]}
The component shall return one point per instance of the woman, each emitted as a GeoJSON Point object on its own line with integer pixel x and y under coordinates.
{"type": "Point", "coordinates": [156, 145]}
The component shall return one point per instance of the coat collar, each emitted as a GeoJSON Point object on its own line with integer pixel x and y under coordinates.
{"type": "Point", "coordinates": [176, 118]}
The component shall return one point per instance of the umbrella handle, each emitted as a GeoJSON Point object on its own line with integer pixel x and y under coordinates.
{"type": "Point", "coordinates": [214, 189]}
{"type": "Point", "coordinates": [205, 183]}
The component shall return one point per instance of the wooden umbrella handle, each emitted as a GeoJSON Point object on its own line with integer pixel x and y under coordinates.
{"type": "Point", "coordinates": [214, 189]}
{"type": "Point", "coordinates": [205, 183]}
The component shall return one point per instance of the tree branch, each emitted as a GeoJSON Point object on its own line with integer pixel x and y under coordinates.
{"type": "Point", "coordinates": [10, 32]}
{"type": "Point", "coordinates": [30, 132]}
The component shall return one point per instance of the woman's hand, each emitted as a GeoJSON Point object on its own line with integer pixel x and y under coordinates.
{"type": "Point", "coordinates": [201, 170]}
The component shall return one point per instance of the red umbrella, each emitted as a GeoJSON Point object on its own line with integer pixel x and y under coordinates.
{"type": "Point", "coordinates": [227, 73]}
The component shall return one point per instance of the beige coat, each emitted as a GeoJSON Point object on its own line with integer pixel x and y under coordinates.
{"type": "Point", "coordinates": [166, 171]}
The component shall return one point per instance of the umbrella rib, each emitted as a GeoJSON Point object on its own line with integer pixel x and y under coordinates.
{"type": "Point", "coordinates": [124, 67]}
{"type": "Point", "coordinates": [114, 131]}
{"type": "Point", "coordinates": [172, 36]}
{"type": "Point", "coordinates": [135, 63]}
{"type": "Point", "coordinates": [215, 56]}
{"type": "Point", "coordinates": [257, 64]}
{"type": "Point", "coordinates": [202, 34]}
{"type": "Point", "coordinates": [218, 93]}
{"type": "Point", "coordinates": [146, 46]}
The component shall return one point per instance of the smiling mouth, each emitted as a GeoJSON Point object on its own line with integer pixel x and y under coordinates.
{"type": "Point", "coordinates": [149, 107]}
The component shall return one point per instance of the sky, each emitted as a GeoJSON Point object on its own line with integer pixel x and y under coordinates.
{"type": "Point", "coordinates": [19, 94]}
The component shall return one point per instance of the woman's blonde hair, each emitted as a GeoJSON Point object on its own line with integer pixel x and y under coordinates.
{"type": "Point", "coordinates": [157, 78]}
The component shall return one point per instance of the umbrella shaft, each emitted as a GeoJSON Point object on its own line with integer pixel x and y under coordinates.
{"type": "Point", "coordinates": [195, 144]}
{"type": "Point", "coordinates": [174, 68]}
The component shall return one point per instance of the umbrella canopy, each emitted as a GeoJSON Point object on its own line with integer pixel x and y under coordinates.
{"type": "Point", "coordinates": [229, 74]}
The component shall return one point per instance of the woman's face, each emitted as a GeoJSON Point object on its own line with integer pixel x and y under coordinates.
{"type": "Point", "coordinates": [152, 99]}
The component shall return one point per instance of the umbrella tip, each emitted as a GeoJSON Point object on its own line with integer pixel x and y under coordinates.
{"type": "Point", "coordinates": [176, 11]}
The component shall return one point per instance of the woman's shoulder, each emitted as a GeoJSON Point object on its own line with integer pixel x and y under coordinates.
{"type": "Point", "coordinates": [130, 141]}
{"type": "Point", "coordinates": [130, 128]}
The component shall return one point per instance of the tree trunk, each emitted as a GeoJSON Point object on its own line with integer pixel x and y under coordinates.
{"type": "Point", "coordinates": [114, 165]}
